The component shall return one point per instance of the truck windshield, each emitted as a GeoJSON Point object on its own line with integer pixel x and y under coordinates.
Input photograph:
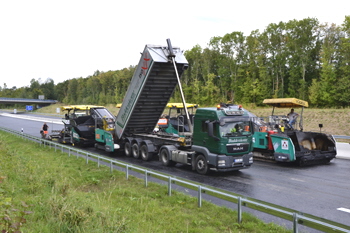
{"type": "Point", "coordinates": [104, 113]}
{"type": "Point", "coordinates": [235, 128]}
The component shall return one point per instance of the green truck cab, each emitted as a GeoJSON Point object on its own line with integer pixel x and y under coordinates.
{"type": "Point", "coordinates": [226, 133]}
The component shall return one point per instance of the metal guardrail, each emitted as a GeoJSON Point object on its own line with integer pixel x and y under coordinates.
{"type": "Point", "coordinates": [5, 100]}
{"type": "Point", "coordinates": [341, 137]}
{"type": "Point", "coordinates": [278, 211]}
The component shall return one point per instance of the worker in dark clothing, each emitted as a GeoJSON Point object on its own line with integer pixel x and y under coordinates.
{"type": "Point", "coordinates": [44, 130]}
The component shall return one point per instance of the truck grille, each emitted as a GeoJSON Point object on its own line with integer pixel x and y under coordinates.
{"type": "Point", "coordinates": [239, 147]}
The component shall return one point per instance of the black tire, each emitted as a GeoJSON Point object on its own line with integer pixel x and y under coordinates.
{"type": "Point", "coordinates": [202, 165]}
{"type": "Point", "coordinates": [135, 150]}
{"type": "Point", "coordinates": [164, 157]}
{"type": "Point", "coordinates": [145, 154]}
{"type": "Point", "coordinates": [60, 138]}
{"type": "Point", "coordinates": [127, 149]}
{"type": "Point", "coordinates": [301, 162]}
{"type": "Point", "coordinates": [327, 161]}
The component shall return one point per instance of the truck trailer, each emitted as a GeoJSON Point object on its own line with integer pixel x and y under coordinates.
{"type": "Point", "coordinates": [219, 138]}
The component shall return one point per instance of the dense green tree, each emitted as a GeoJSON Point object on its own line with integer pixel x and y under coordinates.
{"type": "Point", "coordinates": [72, 92]}
{"type": "Point", "coordinates": [323, 91]}
{"type": "Point", "coordinates": [301, 43]}
{"type": "Point", "coordinates": [48, 89]}
{"type": "Point", "coordinates": [190, 79]}
{"type": "Point", "coordinates": [253, 86]}
{"type": "Point", "coordinates": [122, 79]}
{"type": "Point", "coordinates": [233, 47]}
{"type": "Point", "coordinates": [61, 90]}
{"type": "Point", "coordinates": [343, 85]}
{"type": "Point", "coordinates": [93, 86]}
{"type": "Point", "coordinates": [274, 40]}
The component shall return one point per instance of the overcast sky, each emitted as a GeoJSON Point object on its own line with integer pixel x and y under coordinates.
{"type": "Point", "coordinates": [68, 39]}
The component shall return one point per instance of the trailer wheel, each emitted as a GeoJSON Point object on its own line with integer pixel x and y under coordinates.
{"type": "Point", "coordinates": [135, 149]}
{"type": "Point", "coordinates": [145, 155]}
{"type": "Point", "coordinates": [202, 165]}
{"type": "Point", "coordinates": [164, 155]}
{"type": "Point", "coordinates": [127, 149]}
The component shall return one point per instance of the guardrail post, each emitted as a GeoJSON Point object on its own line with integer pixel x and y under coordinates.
{"type": "Point", "coordinates": [127, 172]}
{"type": "Point", "coordinates": [69, 152]}
{"type": "Point", "coordinates": [87, 158]}
{"type": "Point", "coordinates": [169, 186]}
{"type": "Point", "coordinates": [146, 173]}
{"type": "Point", "coordinates": [111, 166]}
{"type": "Point", "coordinates": [199, 196]}
{"type": "Point", "coordinates": [98, 161]}
{"type": "Point", "coordinates": [295, 222]}
{"type": "Point", "coordinates": [239, 210]}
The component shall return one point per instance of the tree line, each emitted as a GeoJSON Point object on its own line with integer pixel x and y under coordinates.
{"type": "Point", "coordinates": [299, 58]}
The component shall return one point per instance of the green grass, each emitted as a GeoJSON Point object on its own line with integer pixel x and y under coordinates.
{"type": "Point", "coordinates": [65, 194]}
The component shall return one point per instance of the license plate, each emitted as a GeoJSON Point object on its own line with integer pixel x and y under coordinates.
{"type": "Point", "coordinates": [238, 160]}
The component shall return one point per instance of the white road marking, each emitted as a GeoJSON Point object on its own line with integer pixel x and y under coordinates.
{"type": "Point", "coordinates": [344, 209]}
{"type": "Point", "coordinates": [33, 118]}
{"type": "Point", "coordinates": [297, 179]}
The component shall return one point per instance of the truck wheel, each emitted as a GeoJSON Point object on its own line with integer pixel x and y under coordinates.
{"type": "Point", "coordinates": [145, 155]}
{"type": "Point", "coordinates": [127, 149]}
{"type": "Point", "coordinates": [135, 149]}
{"type": "Point", "coordinates": [202, 165]}
{"type": "Point", "coordinates": [164, 157]}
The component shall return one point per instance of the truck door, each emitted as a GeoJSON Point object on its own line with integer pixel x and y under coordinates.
{"type": "Point", "coordinates": [209, 135]}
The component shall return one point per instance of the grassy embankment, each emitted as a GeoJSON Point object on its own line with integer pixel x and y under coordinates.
{"type": "Point", "coordinates": [335, 121]}
{"type": "Point", "coordinates": [65, 194]}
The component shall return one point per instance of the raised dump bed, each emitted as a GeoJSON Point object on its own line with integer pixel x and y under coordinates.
{"type": "Point", "coordinates": [150, 89]}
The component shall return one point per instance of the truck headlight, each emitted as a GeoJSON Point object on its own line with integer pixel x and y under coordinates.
{"type": "Point", "coordinates": [221, 163]}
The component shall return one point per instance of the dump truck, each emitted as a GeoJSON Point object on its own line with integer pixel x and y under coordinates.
{"type": "Point", "coordinates": [278, 138]}
{"type": "Point", "coordinates": [218, 139]}
{"type": "Point", "coordinates": [80, 122]}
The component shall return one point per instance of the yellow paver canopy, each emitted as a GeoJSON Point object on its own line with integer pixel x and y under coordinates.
{"type": "Point", "coordinates": [79, 107]}
{"type": "Point", "coordinates": [286, 102]}
{"type": "Point", "coordinates": [180, 105]}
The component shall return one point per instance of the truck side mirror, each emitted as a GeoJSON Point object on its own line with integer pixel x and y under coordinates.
{"type": "Point", "coordinates": [211, 130]}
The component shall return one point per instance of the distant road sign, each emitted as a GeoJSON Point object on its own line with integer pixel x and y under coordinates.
{"type": "Point", "coordinates": [29, 107]}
